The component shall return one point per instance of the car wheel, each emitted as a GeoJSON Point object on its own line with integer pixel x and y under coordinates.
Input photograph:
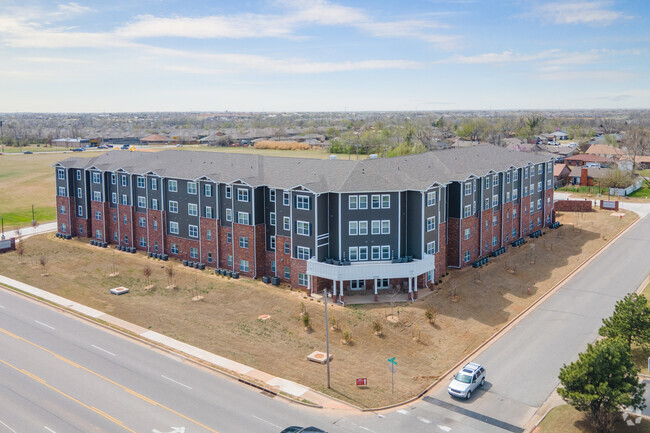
{"type": "Point", "coordinates": [469, 394]}
{"type": "Point", "coordinates": [482, 381]}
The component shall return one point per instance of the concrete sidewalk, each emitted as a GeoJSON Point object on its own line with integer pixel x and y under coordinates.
{"type": "Point", "coordinates": [277, 384]}
{"type": "Point", "coordinates": [30, 231]}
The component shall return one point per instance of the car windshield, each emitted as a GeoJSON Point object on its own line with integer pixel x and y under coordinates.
{"type": "Point", "coordinates": [463, 378]}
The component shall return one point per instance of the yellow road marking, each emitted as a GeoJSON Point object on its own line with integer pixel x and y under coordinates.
{"type": "Point", "coordinates": [130, 391]}
{"type": "Point", "coordinates": [38, 379]}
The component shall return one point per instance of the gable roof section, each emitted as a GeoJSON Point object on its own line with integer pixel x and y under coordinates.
{"type": "Point", "coordinates": [414, 172]}
{"type": "Point", "coordinates": [586, 158]}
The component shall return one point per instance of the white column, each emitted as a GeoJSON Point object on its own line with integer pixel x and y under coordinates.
{"type": "Point", "coordinates": [341, 291]}
{"type": "Point", "coordinates": [410, 288]}
{"type": "Point", "coordinates": [309, 284]}
{"type": "Point", "coordinates": [333, 290]}
{"type": "Point", "coordinates": [375, 286]}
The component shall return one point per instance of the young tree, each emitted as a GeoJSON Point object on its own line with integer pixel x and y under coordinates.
{"type": "Point", "coordinates": [601, 382]}
{"type": "Point", "coordinates": [20, 250]}
{"type": "Point", "coordinates": [43, 261]}
{"type": "Point", "coordinates": [630, 321]}
{"type": "Point", "coordinates": [170, 271]}
{"type": "Point", "coordinates": [146, 272]}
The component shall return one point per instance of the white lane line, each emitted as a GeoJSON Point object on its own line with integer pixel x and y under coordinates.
{"type": "Point", "coordinates": [424, 420]}
{"type": "Point", "coordinates": [103, 350]}
{"type": "Point", "coordinates": [14, 431]}
{"type": "Point", "coordinates": [176, 382]}
{"type": "Point", "coordinates": [268, 422]}
{"type": "Point", "coordinates": [1, 306]}
{"type": "Point", "coordinates": [366, 429]}
{"type": "Point", "coordinates": [41, 323]}
{"type": "Point", "coordinates": [380, 415]}
{"type": "Point", "coordinates": [403, 412]}
{"type": "Point", "coordinates": [49, 429]}
{"type": "Point", "coordinates": [444, 428]}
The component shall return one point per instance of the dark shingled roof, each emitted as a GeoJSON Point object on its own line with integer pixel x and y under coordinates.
{"type": "Point", "coordinates": [415, 172]}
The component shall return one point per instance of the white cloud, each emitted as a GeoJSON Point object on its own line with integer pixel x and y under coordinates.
{"type": "Point", "coordinates": [551, 59]}
{"type": "Point", "coordinates": [52, 60]}
{"type": "Point", "coordinates": [580, 12]}
{"type": "Point", "coordinates": [606, 75]}
{"type": "Point", "coordinates": [72, 8]}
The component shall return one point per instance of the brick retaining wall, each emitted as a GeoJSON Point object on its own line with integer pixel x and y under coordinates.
{"type": "Point", "coordinates": [573, 205]}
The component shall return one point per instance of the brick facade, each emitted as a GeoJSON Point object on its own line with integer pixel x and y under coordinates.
{"type": "Point", "coordinates": [573, 205]}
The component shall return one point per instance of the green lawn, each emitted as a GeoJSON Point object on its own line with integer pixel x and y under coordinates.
{"type": "Point", "coordinates": [584, 189]}
{"type": "Point", "coordinates": [643, 192]}
{"type": "Point", "coordinates": [565, 419]}
{"type": "Point", "coordinates": [32, 148]}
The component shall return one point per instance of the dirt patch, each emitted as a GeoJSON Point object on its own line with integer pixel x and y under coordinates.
{"type": "Point", "coordinates": [227, 320]}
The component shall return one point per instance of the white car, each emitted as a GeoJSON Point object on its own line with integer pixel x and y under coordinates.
{"type": "Point", "coordinates": [467, 380]}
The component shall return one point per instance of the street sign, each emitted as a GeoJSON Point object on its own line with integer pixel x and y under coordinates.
{"type": "Point", "coordinates": [393, 363]}
{"type": "Point", "coordinates": [362, 381]}
{"type": "Point", "coordinates": [392, 360]}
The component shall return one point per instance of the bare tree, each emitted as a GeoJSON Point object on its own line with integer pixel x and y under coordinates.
{"type": "Point", "coordinates": [171, 274]}
{"type": "Point", "coordinates": [637, 143]}
{"type": "Point", "coordinates": [20, 250]}
{"type": "Point", "coordinates": [43, 262]}
{"type": "Point", "coordinates": [146, 272]}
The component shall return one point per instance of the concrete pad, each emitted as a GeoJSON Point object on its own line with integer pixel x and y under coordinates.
{"type": "Point", "coordinates": [287, 386]}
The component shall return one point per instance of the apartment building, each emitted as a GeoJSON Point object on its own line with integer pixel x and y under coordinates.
{"type": "Point", "coordinates": [351, 226]}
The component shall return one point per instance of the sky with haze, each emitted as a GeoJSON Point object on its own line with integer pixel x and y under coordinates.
{"type": "Point", "coordinates": [322, 55]}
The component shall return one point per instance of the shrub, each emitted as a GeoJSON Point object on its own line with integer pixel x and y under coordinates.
{"type": "Point", "coordinates": [306, 320]}
{"type": "Point", "coordinates": [430, 315]}
{"type": "Point", "coordinates": [347, 337]}
{"type": "Point", "coordinates": [376, 326]}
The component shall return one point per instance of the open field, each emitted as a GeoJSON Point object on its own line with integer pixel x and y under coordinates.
{"type": "Point", "coordinates": [33, 148]}
{"type": "Point", "coordinates": [226, 321]}
{"type": "Point", "coordinates": [566, 419]}
{"type": "Point", "coordinates": [316, 153]}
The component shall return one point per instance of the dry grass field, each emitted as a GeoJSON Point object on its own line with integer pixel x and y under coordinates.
{"type": "Point", "coordinates": [565, 419]}
{"type": "Point", "coordinates": [226, 321]}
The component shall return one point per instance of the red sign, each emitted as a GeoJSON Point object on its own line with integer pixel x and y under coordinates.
{"type": "Point", "coordinates": [362, 382]}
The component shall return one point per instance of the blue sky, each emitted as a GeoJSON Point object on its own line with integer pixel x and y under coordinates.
{"type": "Point", "coordinates": [322, 55]}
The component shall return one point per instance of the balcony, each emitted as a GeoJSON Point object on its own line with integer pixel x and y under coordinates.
{"type": "Point", "coordinates": [371, 270]}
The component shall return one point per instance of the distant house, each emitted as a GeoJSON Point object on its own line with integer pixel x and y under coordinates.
{"type": "Point", "coordinates": [560, 135]}
{"type": "Point", "coordinates": [560, 174]}
{"type": "Point", "coordinates": [71, 142]}
{"type": "Point", "coordinates": [586, 159]}
{"type": "Point", "coordinates": [606, 151]}
{"type": "Point", "coordinates": [155, 139]}
{"type": "Point", "coordinates": [587, 176]}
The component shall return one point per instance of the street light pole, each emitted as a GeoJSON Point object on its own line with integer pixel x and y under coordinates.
{"type": "Point", "coordinates": [327, 341]}
{"type": "Point", "coordinates": [33, 215]}
{"type": "Point", "coordinates": [2, 221]}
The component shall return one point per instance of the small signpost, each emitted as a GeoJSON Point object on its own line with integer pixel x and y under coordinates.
{"type": "Point", "coordinates": [393, 363]}
{"type": "Point", "coordinates": [362, 381]}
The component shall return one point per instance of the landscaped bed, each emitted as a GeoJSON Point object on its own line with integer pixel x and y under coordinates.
{"type": "Point", "coordinates": [226, 320]}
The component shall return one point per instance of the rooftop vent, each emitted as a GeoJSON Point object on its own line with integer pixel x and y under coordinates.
{"type": "Point", "coordinates": [333, 157]}
{"type": "Point", "coordinates": [373, 156]}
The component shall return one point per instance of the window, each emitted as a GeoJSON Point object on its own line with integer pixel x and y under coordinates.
{"type": "Point", "coordinates": [514, 213]}
{"type": "Point", "coordinates": [353, 254]}
{"type": "Point", "coordinates": [78, 174]}
{"type": "Point", "coordinates": [467, 256]}
{"type": "Point", "coordinates": [192, 209]}
{"type": "Point", "coordinates": [526, 173]}
{"type": "Point", "coordinates": [154, 184]}
{"type": "Point", "coordinates": [468, 188]}
{"type": "Point", "coordinates": [383, 283]}
{"type": "Point", "coordinates": [376, 201]}
{"type": "Point", "coordinates": [385, 201]}
{"type": "Point", "coordinates": [353, 202]}
{"type": "Point", "coordinates": [124, 180]}
{"type": "Point", "coordinates": [228, 191]}
{"type": "Point", "coordinates": [62, 210]}
{"type": "Point", "coordinates": [515, 175]}
{"type": "Point", "coordinates": [495, 220]}
{"type": "Point", "coordinates": [193, 231]}
{"type": "Point", "coordinates": [154, 204]}
{"type": "Point", "coordinates": [97, 196]}
{"type": "Point", "coordinates": [174, 249]}
{"type": "Point", "coordinates": [302, 279]}
{"type": "Point", "coordinates": [143, 241]}
{"type": "Point", "coordinates": [539, 186]}
{"type": "Point", "coordinates": [125, 199]}
{"type": "Point", "coordinates": [495, 200]}
{"type": "Point", "coordinates": [142, 201]}
{"type": "Point", "coordinates": [208, 234]}
{"type": "Point", "coordinates": [209, 257]}
{"type": "Point", "coordinates": [376, 227]}
{"type": "Point", "coordinates": [549, 167]}
{"type": "Point", "coordinates": [303, 228]}
{"type": "Point", "coordinates": [514, 234]}
{"type": "Point", "coordinates": [114, 217]}
{"type": "Point", "coordinates": [539, 169]}
{"type": "Point", "coordinates": [431, 223]}
{"type": "Point", "coordinates": [142, 222]}
{"type": "Point", "coordinates": [363, 228]}
{"type": "Point", "coordinates": [172, 185]}
{"type": "Point", "coordinates": [375, 252]}
{"type": "Point", "coordinates": [272, 195]}
{"type": "Point", "coordinates": [60, 174]}
{"type": "Point", "coordinates": [467, 211]}
{"type": "Point", "coordinates": [97, 177]}
{"type": "Point", "coordinates": [431, 248]}
{"type": "Point", "coordinates": [532, 207]}
{"type": "Point", "coordinates": [525, 191]}
{"type": "Point", "coordinates": [79, 193]}
{"type": "Point", "coordinates": [303, 253]}
{"type": "Point", "coordinates": [385, 252]}
{"type": "Point", "coordinates": [173, 227]}
{"type": "Point", "coordinates": [303, 202]}
{"type": "Point", "coordinates": [155, 225]}
{"type": "Point", "coordinates": [98, 234]}
{"type": "Point", "coordinates": [140, 182]}
{"type": "Point", "coordinates": [191, 188]}
{"type": "Point", "coordinates": [385, 227]}
{"type": "Point", "coordinates": [272, 243]}
{"type": "Point", "coordinates": [80, 210]}
{"type": "Point", "coordinates": [494, 241]}
{"type": "Point", "coordinates": [228, 214]}
{"type": "Point", "coordinates": [363, 202]}
{"type": "Point", "coordinates": [286, 223]}
{"type": "Point", "coordinates": [155, 246]}
{"type": "Point", "coordinates": [273, 266]}
{"type": "Point", "coordinates": [539, 204]}
{"type": "Point", "coordinates": [508, 197]}
{"type": "Point", "coordinates": [487, 182]}
{"type": "Point", "coordinates": [287, 272]}
{"type": "Point", "coordinates": [357, 284]}
{"type": "Point", "coordinates": [514, 194]}
{"type": "Point", "coordinates": [173, 206]}
{"type": "Point", "coordinates": [194, 253]}
{"type": "Point", "coordinates": [242, 194]}
{"type": "Point", "coordinates": [229, 260]}
{"type": "Point", "coordinates": [62, 191]}
{"type": "Point", "coordinates": [548, 201]}
{"type": "Point", "coordinates": [353, 228]}
{"type": "Point", "coordinates": [208, 212]}
{"type": "Point", "coordinates": [229, 237]}
{"type": "Point", "coordinates": [243, 242]}
{"type": "Point", "coordinates": [363, 253]}
{"type": "Point", "coordinates": [507, 177]}
{"type": "Point", "coordinates": [287, 248]}
{"type": "Point", "coordinates": [115, 236]}
{"type": "Point", "coordinates": [243, 218]}
{"type": "Point", "coordinates": [539, 221]}
{"type": "Point", "coordinates": [207, 190]}
{"type": "Point", "coordinates": [468, 233]}
{"type": "Point", "coordinates": [486, 206]}
{"type": "Point", "coordinates": [244, 266]}
{"type": "Point", "coordinates": [286, 198]}
{"type": "Point", "coordinates": [548, 184]}
{"type": "Point", "coordinates": [431, 198]}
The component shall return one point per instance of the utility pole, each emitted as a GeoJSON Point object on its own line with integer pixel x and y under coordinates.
{"type": "Point", "coordinates": [33, 219]}
{"type": "Point", "coordinates": [2, 139]}
{"type": "Point", "coordinates": [2, 221]}
{"type": "Point", "coordinates": [327, 341]}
